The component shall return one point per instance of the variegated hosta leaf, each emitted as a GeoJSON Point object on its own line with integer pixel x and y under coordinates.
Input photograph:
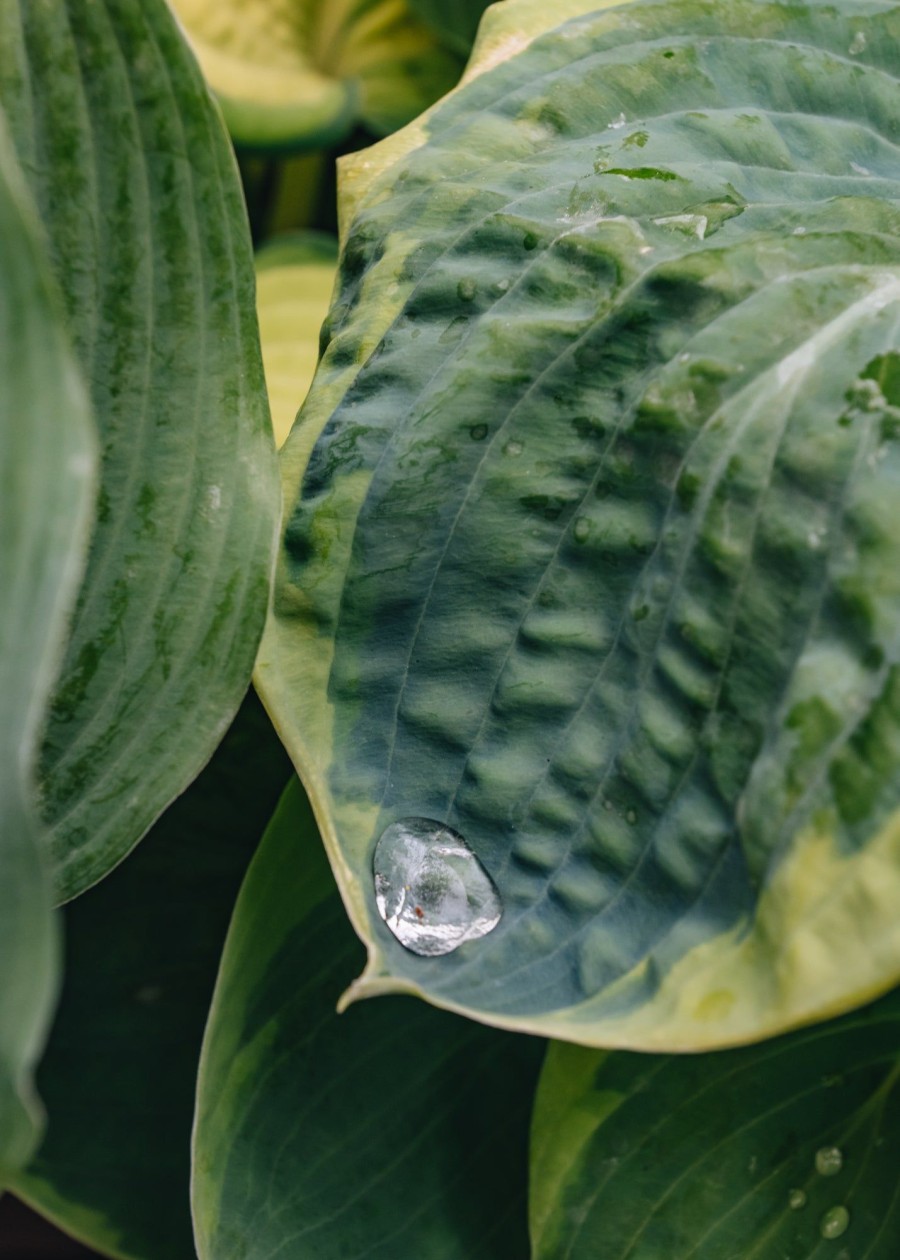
{"type": "Point", "coordinates": [140, 200]}
{"type": "Point", "coordinates": [294, 280]}
{"type": "Point", "coordinates": [47, 467]}
{"type": "Point", "coordinates": [786, 1149]}
{"type": "Point", "coordinates": [391, 1131]}
{"type": "Point", "coordinates": [303, 74]}
{"type": "Point", "coordinates": [596, 557]}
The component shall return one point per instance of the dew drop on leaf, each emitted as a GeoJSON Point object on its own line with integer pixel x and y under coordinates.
{"type": "Point", "coordinates": [797, 1199]}
{"type": "Point", "coordinates": [431, 889]}
{"type": "Point", "coordinates": [834, 1222]}
{"type": "Point", "coordinates": [829, 1161]}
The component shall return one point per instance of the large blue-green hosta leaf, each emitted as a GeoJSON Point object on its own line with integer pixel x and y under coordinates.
{"type": "Point", "coordinates": [47, 464]}
{"type": "Point", "coordinates": [596, 556]}
{"type": "Point", "coordinates": [391, 1131]}
{"type": "Point", "coordinates": [786, 1149]}
{"type": "Point", "coordinates": [141, 203]}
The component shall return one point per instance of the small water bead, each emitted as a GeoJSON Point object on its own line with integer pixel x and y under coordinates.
{"type": "Point", "coordinates": [513, 449]}
{"type": "Point", "coordinates": [796, 1199]}
{"type": "Point", "coordinates": [466, 290]}
{"type": "Point", "coordinates": [431, 889]}
{"type": "Point", "coordinates": [857, 44]}
{"type": "Point", "coordinates": [582, 529]}
{"type": "Point", "coordinates": [631, 819]}
{"type": "Point", "coordinates": [478, 432]}
{"type": "Point", "coordinates": [829, 1161]}
{"type": "Point", "coordinates": [834, 1223]}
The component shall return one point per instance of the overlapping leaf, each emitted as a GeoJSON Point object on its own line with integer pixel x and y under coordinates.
{"type": "Point", "coordinates": [303, 75]}
{"type": "Point", "coordinates": [295, 277]}
{"type": "Point", "coordinates": [784, 1149]}
{"type": "Point", "coordinates": [596, 556]}
{"type": "Point", "coordinates": [142, 951]}
{"type": "Point", "coordinates": [136, 185]}
{"type": "Point", "coordinates": [392, 1130]}
{"type": "Point", "coordinates": [47, 466]}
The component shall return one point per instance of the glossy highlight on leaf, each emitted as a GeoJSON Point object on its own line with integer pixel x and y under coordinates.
{"type": "Point", "coordinates": [47, 476]}
{"type": "Point", "coordinates": [595, 558]}
{"type": "Point", "coordinates": [391, 1130]}
{"type": "Point", "coordinates": [139, 197]}
{"type": "Point", "coordinates": [773, 1150]}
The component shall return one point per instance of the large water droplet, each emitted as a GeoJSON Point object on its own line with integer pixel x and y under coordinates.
{"type": "Point", "coordinates": [829, 1161]}
{"type": "Point", "coordinates": [431, 889]}
{"type": "Point", "coordinates": [797, 1199]}
{"type": "Point", "coordinates": [834, 1222]}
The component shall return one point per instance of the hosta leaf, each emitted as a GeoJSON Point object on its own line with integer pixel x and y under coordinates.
{"type": "Point", "coordinates": [303, 76]}
{"type": "Point", "coordinates": [595, 559]}
{"type": "Point", "coordinates": [775, 1150]}
{"type": "Point", "coordinates": [295, 278]}
{"type": "Point", "coordinates": [142, 950]}
{"type": "Point", "coordinates": [47, 465]}
{"type": "Point", "coordinates": [140, 199]}
{"type": "Point", "coordinates": [392, 1130]}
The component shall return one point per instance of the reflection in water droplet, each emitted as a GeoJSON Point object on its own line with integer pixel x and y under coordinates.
{"type": "Point", "coordinates": [834, 1222]}
{"type": "Point", "coordinates": [829, 1161]}
{"type": "Point", "coordinates": [797, 1199]}
{"type": "Point", "coordinates": [431, 889]}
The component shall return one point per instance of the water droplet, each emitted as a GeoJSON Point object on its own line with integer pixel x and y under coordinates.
{"type": "Point", "coordinates": [431, 889]}
{"type": "Point", "coordinates": [797, 1199]}
{"type": "Point", "coordinates": [502, 285]}
{"type": "Point", "coordinates": [799, 231]}
{"type": "Point", "coordinates": [814, 538]}
{"type": "Point", "coordinates": [466, 290]}
{"type": "Point", "coordinates": [689, 224]}
{"type": "Point", "coordinates": [582, 529]}
{"type": "Point", "coordinates": [607, 804]}
{"type": "Point", "coordinates": [513, 448]}
{"type": "Point", "coordinates": [530, 241]}
{"type": "Point", "coordinates": [831, 1079]}
{"type": "Point", "coordinates": [753, 1162]}
{"type": "Point", "coordinates": [631, 818]}
{"type": "Point", "coordinates": [616, 123]}
{"type": "Point", "coordinates": [834, 1222]}
{"type": "Point", "coordinates": [478, 432]}
{"type": "Point", "coordinates": [860, 170]}
{"type": "Point", "coordinates": [829, 1160]}
{"type": "Point", "coordinates": [857, 44]}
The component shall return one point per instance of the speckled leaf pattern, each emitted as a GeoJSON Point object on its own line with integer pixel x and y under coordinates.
{"type": "Point", "coordinates": [595, 559]}
{"type": "Point", "coordinates": [297, 74]}
{"type": "Point", "coordinates": [393, 1130]}
{"type": "Point", "coordinates": [786, 1149]}
{"type": "Point", "coordinates": [47, 466]}
{"type": "Point", "coordinates": [294, 280]}
{"type": "Point", "coordinates": [141, 203]}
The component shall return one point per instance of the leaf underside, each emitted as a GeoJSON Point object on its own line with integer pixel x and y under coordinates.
{"type": "Point", "coordinates": [133, 175]}
{"type": "Point", "coordinates": [595, 558]}
{"type": "Point", "coordinates": [47, 466]}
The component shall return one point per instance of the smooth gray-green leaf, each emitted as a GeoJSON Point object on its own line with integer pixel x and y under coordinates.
{"type": "Point", "coordinates": [744, 1155]}
{"type": "Point", "coordinates": [304, 77]}
{"type": "Point", "coordinates": [142, 951]}
{"type": "Point", "coordinates": [392, 1130]}
{"type": "Point", "coordinates": [47, 467]}
{"type": "Point", "coordinates": [596, 556]}
{"type": "Point", "coordinates": [137, 187]}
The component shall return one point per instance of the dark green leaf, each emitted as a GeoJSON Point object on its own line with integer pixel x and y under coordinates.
{"type": "Point", "coordinates": [596, 558]}
{"type": "Point", "coordinates": [769, 1153]}
{"type": "Point", "coordinates": [455, 24]}
{"type": "Point", "coordinates": [120, 1070]}
{"type": "Point", "coordinates": [393, 1130]}
{"type": "Point", "coordinates": [136, 184]}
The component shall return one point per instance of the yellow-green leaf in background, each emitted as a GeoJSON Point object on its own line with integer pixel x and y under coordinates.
{"type": "Point", "coordinates": [294, 279]}
{"type": "Point", "coordinates": [303, 74]}
{"type": "Point", "coordinates": [47, 472]}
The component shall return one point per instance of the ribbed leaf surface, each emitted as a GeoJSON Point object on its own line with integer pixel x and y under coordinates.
{"type": "Point", "coordinates": [137, 188]}
{"type": "Point", "coordinates": [596, 556]}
